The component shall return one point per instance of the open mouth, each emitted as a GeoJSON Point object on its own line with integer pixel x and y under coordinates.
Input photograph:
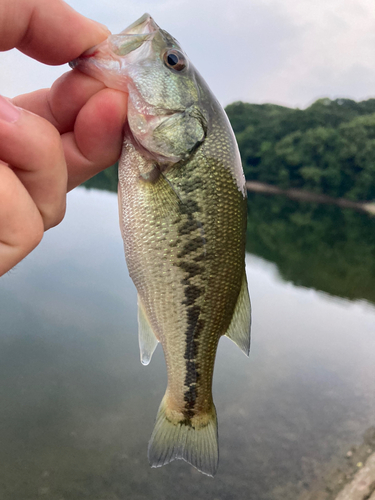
{"type": "Point", "coordinates": [107, 53]}
{"type": "Point", "coordinates": [143, 25]}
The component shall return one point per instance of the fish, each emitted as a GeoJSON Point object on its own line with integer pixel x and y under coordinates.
{"type": "Point", "coordinates": [183, 211]}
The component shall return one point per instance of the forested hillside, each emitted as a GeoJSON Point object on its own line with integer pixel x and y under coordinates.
{"type": "Point", "coordinates": [327, 148]}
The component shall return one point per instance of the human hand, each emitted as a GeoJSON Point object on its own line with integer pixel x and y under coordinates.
{"type": "Point", "coordinates": [53, 139]}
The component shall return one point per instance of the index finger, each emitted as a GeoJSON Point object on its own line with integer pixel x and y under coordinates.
{"type": "Point", "coordinates": [47, 30]}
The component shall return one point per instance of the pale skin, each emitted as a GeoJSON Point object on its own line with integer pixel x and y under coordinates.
{"type": "Point", "coordinates": [51, 140]}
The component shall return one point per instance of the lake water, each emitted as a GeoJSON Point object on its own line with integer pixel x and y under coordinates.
{"type": "Point", "coordinates": [77, 407]}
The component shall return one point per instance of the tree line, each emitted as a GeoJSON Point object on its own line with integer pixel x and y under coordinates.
{"type": "Point", "coordinates": [328, 148]}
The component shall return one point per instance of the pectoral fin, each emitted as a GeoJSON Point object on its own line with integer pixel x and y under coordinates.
{"type": "Point", "coordinates": [158, 195]}
{"type": "Point", "coordinates": [239, 329]}
{"type": "Point", "coordinates": [147, 339]}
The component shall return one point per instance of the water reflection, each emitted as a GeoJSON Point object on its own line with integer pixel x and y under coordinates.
{"type": "Point", "coordinates": [77, 407]}
{"type": "Point", "coordinates": [317, 246]}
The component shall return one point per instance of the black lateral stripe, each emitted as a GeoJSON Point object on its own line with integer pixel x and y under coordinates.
{"type": "Point", "coordinates": [187, 226]}
{"type": "Point", "coordinates": [191, 246]}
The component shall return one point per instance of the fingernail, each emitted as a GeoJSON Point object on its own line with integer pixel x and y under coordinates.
{"type": "Point", "coordinates": [8, 112]}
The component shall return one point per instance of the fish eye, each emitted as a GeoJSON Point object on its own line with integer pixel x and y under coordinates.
{"type": "Point", "coordinates": [174, 59]}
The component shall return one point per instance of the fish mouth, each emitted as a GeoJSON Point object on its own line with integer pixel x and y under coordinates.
{"type": "Point", "coordinates": [143, 25]}
{"type": "Point", "coordinates": [109, 53]}
{"type": "Point", "coordinates": [131, 38]}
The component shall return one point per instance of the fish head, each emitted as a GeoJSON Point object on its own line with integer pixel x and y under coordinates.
{"type": "Point", "coordinates": [164, 97]}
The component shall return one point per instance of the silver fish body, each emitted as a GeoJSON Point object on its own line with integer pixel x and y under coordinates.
{"type": "Point", "coordinates": [182, 202]}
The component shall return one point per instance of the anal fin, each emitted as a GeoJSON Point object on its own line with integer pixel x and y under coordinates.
{"type": "Point", "coordinates": [147, 339]}
{"type": "Point", "coordinates": [239, 328]}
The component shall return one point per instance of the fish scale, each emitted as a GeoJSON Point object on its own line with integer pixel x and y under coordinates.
{"type": "Point", "coordinates": [182, 203]}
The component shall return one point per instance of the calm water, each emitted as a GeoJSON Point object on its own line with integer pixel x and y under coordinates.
{"type": "Point", "coordinates": [77, 407]}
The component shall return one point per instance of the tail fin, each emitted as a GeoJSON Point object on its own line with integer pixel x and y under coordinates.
{"type": "Point", "coordinates": [196, 445]}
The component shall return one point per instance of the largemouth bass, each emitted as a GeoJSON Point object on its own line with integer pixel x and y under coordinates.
{"type": "Point", "coordinates": [182, 202]}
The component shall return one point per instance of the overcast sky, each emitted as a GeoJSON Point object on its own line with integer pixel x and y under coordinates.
{"type": "Point", "coordinates": [287, 52]}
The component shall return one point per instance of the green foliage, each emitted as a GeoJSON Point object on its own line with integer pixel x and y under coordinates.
{"type": "Point", "coordinates": [327, 148]}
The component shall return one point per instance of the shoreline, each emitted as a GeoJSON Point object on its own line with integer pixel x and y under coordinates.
{"type": "Point", "coordinates": [351, 475]}
{"type": "Point", "coordinates": [302, 195]}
